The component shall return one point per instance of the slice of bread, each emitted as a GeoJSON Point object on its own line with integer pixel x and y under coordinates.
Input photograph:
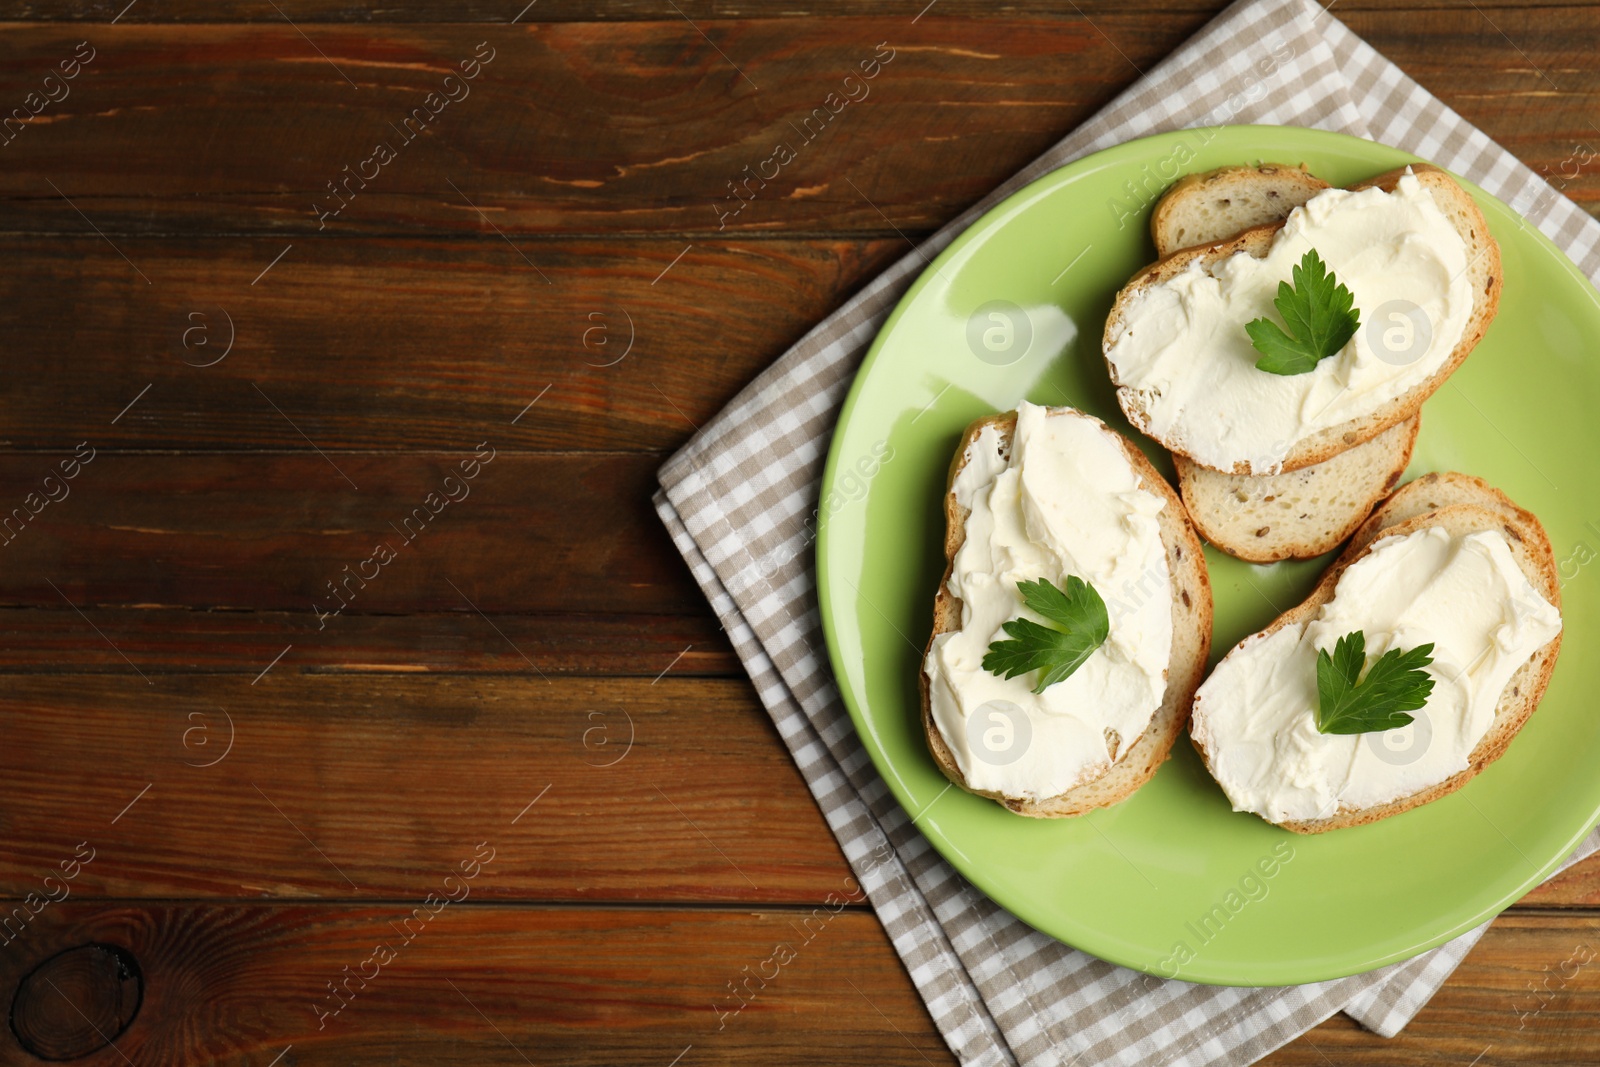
{"type": "Point", "coordinates": [1263, 518]}
{"type": "Point", "coordinates": [1191, 637]}
{"type": "Point", "coordinates": [1304, 513]}
{"type": "Point", "coordinates": [1205, 208]}
{"type": "Point", "coordinates": [1461, 504]}
{"type": "Point", "coordinates": [1484, 274]}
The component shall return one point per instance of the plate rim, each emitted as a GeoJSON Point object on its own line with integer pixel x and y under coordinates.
{"type": "Point", "coordinates": [1105, 949]}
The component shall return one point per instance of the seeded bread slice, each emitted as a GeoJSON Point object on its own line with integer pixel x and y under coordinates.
{"type": "Point", "coordinates": [1461, 504]}
{"type": "Point", "coordinates": [1201, 209]}
{"type": "Point", "coordinates": [1191, 635]}
{"type": "Point", "coordinates": [1262, 518]}
{"type": "Point", "coordinates": [1484, 274]}
{"type": "Point", "coordinates": [1304, 513]}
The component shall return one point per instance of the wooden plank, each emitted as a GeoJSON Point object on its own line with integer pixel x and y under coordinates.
{"type": "Point", "coordinates": [677, 790]}
{"type": "Point", "coordinates": [962, 105]}
{"type": "Point", "coordinates": [610, 986]}
{"type": "Point", "coordinates": [1528, 993]}
{"type": "Point", "coordinates": [180, 640]}
{"type": "Point", "coordinates": [573, 127]}
{"type": "Point", "coordinates": [242, 984]}
{"type": "Point", "coordinates": [505, 11]}
{"type": "Point", "coordinates": [400, 344]}
{"type": "Point", "coordinates": [386, 775]}
{"type": "Point", "coordinates": [531, 533]}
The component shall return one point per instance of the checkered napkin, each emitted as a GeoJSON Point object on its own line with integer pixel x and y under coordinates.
{"type": "Point", "coordinates": [737, 498]}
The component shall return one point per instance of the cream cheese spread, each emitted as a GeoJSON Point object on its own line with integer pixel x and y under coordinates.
{"type": "Point", "coordinates": [1465, 593]}
{"type": "Point", "coordinates": [1064, 501]}
{"type": "Point", "coordinates": [1182, 354]}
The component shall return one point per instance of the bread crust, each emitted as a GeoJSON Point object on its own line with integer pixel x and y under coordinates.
{"type": "Point", "coordinates": [1486, 275]}
{"type": "Point", "coordinates": [1196, 484]}
{"type": "Point", "coordinates": [1232, 510]}
{"type": "Point", "coordinates": [1464, 504]}
{"type": "Point", "coordinates": [1191, 645]}
{"type": "Point", "coordinates": [1293, 184]}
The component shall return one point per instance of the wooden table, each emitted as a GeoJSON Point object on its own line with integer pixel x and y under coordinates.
{"type": "Point", "coordinates": [357, 708]}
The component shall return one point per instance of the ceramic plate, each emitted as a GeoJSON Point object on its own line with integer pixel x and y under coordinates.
{"type": "Point", "coordinates": [1171, 880]}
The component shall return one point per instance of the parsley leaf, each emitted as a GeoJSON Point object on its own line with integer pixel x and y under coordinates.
{"type": "Point", "coordinates": [1395, 685]}
{"type": "Point", "coordinates": [1320, 314]}
{"type": "Point", "coordinates": [1081, 627]}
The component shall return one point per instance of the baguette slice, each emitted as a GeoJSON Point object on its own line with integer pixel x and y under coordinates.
{"type": "Point", "coordinates": [1484, 272]}
{"type": "Point", "coordinates": [1202, 209]}
{"type": "Point", "coordinates": [1462, 504]}
{"type": "Point", "coordinates": [1263, 518]}
{"type": "Point", "coordinates": [1269, 517]}
{"type": "Point", "coordinates": [1191, 638]}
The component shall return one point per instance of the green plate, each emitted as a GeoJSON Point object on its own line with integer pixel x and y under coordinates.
{"type": "Point", "coordinates": [1170, 881]}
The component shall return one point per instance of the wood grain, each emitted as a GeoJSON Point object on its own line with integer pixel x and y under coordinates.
{"type": "Point", "coordinates": [573, 128]}
{"type": "Point", "coordinates": [641, 126]}
{"type": "Point", "coordinates": [216, 562]}
{"type": "Point", "coordinates": [183, 640]}
{"type": "Point", "coordinates": [361, 787]}
{"type": "Point", "coordinates": [388, 345]}
{"type": "Point", "coordinates": [385, 776]}
{"type": "Point", "coordinates": [1526, 994]}
{"type": "Point", "coordinates": [76, 1002]}
{"type": "Point", "coordinates": [537, 533]}
{"type": "Point", "coordinates": [238, 984]}
{"type": "Point", "coordinates": [390, 740]}
{"type": "Point", "coordinates": [501, 12]}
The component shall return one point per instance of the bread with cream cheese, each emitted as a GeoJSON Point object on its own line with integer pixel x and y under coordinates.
{"type": "Point", "coordinates": [1191, 638]}
{"type": "Point", "coordinates": [1484, 275]}
{"type": "Point", "coordinates": [1298, 514]}
{"type": "Point", "coordinates": [1461, 504]}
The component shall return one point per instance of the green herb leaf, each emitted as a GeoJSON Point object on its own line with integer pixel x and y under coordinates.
{"type": "Point", "coordinates": [1083, 625]}
{"type": "Point", "coordinates": [1395, 685]}
{"type": "Point", "coordinates": [1320, 314]}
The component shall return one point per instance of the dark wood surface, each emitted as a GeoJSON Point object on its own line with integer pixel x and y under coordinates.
{"type": "Point", "coordinates": [267, 794]}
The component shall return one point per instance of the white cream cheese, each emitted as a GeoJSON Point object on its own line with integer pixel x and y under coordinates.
{"type": "Point", "coordinates": [1065, 502]}
{"type": "Point", "coordinates": [1182, 353]}
{"type": "Point", "coordinates": [1256, 714]}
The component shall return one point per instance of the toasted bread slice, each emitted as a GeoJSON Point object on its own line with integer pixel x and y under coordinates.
{"type": "Point", "coordinates": [1304, 513]}
{"type": "Point", "coordinates": [1205, 208]}
{"type": "Point", "coordinates": [1191, 638]}
{"type": "Point", "coordinates": [1461, 504]}
{"type": "Point", "coordinates": [1484, 274]}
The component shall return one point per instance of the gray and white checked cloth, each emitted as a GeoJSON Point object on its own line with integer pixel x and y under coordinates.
{"type": "Point", "coordinates": [743, 488]}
